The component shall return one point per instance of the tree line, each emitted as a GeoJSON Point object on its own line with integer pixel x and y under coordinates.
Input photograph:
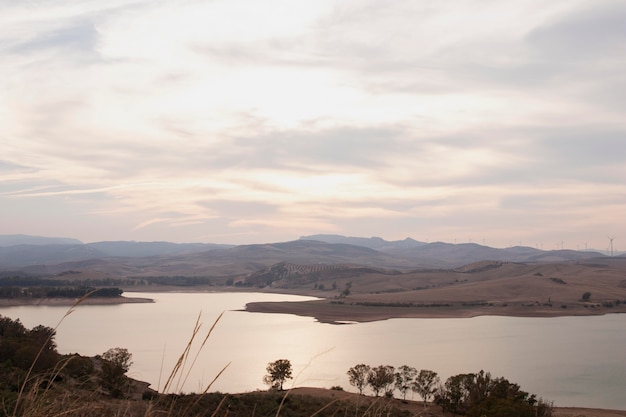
{"type": "Point", "coordinates": [472, 394]}
{"type": "Point", "coordinates": [59, 292]}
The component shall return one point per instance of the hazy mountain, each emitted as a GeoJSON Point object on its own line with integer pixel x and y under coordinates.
{"type": "Point", "coordinates": [448, 255]}
{"type": "Point", "coordinates": [300, 251]}
{"type": "Point", "coordinates": [14, 240]}
{"type": "Point", "coordinates": [371, 242]}
{"type": "Point", "coordinates": [198, 259]}
{"type": "Point", "coordinates": [143, 249]}
{"type": "Point", "coordinates": [24, 255]}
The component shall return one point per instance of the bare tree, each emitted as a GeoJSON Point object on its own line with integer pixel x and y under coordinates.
{"type": "Point", "coordinates": [381, 378]}
{"type": "Point", "coordinates": [425, 384]}
{"type": "Point", "coordinates": [404, 379]}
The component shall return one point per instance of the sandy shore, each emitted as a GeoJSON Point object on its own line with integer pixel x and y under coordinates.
{"type": "Point", "coordinates": [326, 311]}
{"type": "Point", "coordinates": [329, 310]}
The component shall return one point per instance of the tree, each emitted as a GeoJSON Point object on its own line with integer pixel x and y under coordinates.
{"type": "Point", "coordinates": [457, 393]}
{"type": "Point", "coordinates": [115, 363]}
{"type": "Point", "coordinates": [404, 379]}
{"type": "Point", "coordinates": [586, 296]}
{"type": "Point", "coordinates": [425, 384]}
{"type": "Point", "coordinates": [381, 378]}
{"type": "Point", "coordinates": [480, 395]}
{"type": "Point", "coordinates": [277, 373]}
{"type": "Point", "coordinates": [357, 376]}
{"type": "Point", "coordinates": [346, 291]}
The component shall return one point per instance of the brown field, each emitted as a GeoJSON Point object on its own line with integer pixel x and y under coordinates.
{"type": "Point", "coordinates": [509, 289]}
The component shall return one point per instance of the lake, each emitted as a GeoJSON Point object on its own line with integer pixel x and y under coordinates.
{"type": "Point", "coordinates": [573, 361]}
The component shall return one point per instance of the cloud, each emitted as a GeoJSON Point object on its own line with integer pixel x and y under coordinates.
{"type": "Point", "coordinates": [592, 33]}
{"type": "Point", "coordinates": [267, 121]}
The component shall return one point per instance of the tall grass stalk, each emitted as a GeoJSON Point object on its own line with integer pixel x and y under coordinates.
{"type": "Point", "coordinates": [180, 368]}
{"type": "Point", "coordinates": [179, 371]}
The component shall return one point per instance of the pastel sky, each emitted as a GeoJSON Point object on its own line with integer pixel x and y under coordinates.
{"type": "Point", "coordinates": [240, 121]}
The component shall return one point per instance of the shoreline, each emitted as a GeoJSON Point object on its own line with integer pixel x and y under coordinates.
{"type": "Point", "coordinates": [57, 301]}
{"type": "Point", "coordinates": [325, 311]}
{"type": "Point", "coordinates": [333, 311]}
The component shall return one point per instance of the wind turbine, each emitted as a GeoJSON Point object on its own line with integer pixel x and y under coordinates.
{"type": "Point", "coordinates": [611, 244]}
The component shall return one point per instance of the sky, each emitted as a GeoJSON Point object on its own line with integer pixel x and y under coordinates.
{"type": "Point", "coordinates": [239, 121]}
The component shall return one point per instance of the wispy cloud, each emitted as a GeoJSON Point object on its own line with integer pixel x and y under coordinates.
{"type": "Point", "coordinates": [265, 121]}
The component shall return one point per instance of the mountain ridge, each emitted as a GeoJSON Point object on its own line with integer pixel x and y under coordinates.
{"type": "Point", "coordinates": [166, 258]}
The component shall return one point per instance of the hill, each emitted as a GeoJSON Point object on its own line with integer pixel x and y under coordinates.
{"type": "Point", "coordinates": [484, 288]}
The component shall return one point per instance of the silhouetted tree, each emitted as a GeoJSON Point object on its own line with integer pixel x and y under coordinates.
{"type": "Point", "coordinates": [381, 378]}
{"type": "Point", "coordinates": [425, 384]}
{"type": "Point", "coordinates": [404, 379]}
{"type": "Point", "coordinates": [115, 363]}
{"type": "Point", "coordinates": [277, 373]}
{"type": "Point", "coordinates": [357, 376]}
{"type": "Point", "coordinates": [480, 395]}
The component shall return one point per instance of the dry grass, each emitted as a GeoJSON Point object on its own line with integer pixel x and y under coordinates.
{"type": "Point", "coordinates": [509, 289]}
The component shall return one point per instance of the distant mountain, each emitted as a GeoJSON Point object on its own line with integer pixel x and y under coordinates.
{"type": "Point", "coordinates": [371, 242]}
{"type": "Point", "coordinates": [145, 249]}
{"type": "Point", "coordinates": [448, 255]}
{"type": "Point", "coordinates": [21, 255]}
{"type": "Point", "coordinates": [14, 240]}
{"type": "Point", "coordinates": [199, 259]}
{"type": "Point", "coordinates": [303, 252]}
{"type": "Point", "coordinates": [25, 255]}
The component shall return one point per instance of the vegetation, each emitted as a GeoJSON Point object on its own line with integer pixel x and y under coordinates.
{"type": "Point", "coordinates": [404, 379]}
{"type": "Point", "coordinates": [41, 288]}
{"type": "Point", "coordinates": [474, 395]}
{"type": "Point", "coordinates": [479, 394]}
{"type": "Point", "coordinates": [277, 373]}
{"type": "Point", "coordinates": [357, 376]}
{"type": "Point", "coordinates": [425, 384]}
{"type": "Point", "coordinates": [381, 378]}
{"type": "Point", "coordinates": [115, 363]}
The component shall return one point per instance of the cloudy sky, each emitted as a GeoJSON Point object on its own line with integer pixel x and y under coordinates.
{"type": "Point", "coordinates": [241, 121]}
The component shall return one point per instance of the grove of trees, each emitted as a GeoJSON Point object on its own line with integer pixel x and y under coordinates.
{"type": "Point", "coordinates": [472, 394]}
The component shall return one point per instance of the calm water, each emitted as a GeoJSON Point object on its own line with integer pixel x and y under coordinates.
{"type": "Point", "coordinates": [573, 361]}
